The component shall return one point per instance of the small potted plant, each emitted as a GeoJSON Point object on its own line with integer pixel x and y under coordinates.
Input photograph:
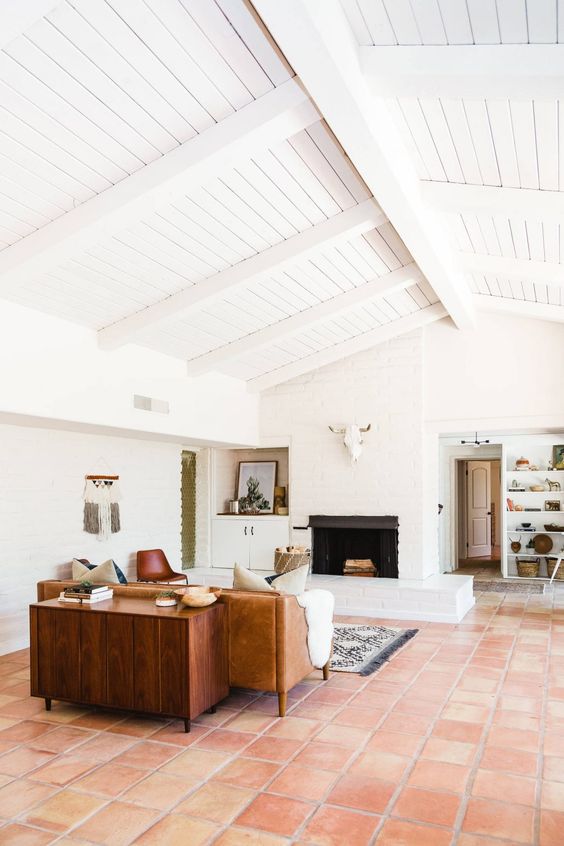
{"type": "Point", "coordinates": [166, 598]}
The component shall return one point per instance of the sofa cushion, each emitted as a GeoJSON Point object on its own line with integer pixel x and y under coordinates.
{"type": "Point", "coordinates": [293, 582]}
{"type": "Point", "coordinates": [101, 575]}
{"type": "Point", "coordinates": [244, 579]}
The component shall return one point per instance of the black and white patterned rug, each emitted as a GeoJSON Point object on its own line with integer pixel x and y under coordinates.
{"type": "Point", "coordinates": [363, 649]}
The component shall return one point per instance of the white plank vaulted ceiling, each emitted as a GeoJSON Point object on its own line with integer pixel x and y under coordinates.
{"type": "Point", "coordinates": [172, 175]}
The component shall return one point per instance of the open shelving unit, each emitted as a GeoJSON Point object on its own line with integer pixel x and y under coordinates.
{"type": "Point", "coordinates": [539, 455]}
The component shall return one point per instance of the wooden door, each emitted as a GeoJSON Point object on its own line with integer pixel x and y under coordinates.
{"type": "Point", "coordinates": [230, 542]}
{"type": "Point", "coordinates": [479, 519]}
{"type": "Point", "coordinates": [266, 535]}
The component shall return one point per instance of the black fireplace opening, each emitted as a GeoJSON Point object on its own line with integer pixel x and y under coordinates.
{"type": "Point", "coordinates": [338, 538]}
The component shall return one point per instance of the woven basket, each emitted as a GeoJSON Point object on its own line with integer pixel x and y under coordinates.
{"type": "Point", "coordinates": [550, 565]}
{"type": "Point", "coordinates": [528, 569]}
{"type": "Point", "coordinates": [284, 561]}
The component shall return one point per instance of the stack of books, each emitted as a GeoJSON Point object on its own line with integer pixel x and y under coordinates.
{"type": "Point", "coordinates": [359, 567]}
{"type": "Point", "coordinates": [86, 594]}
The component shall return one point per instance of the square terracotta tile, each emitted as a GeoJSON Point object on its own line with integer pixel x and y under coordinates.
{"type": "Point", "coordinates": [195, 763]}
{"type": "Point", "coordinates": [490, 784]}
{"type": "Point", "coordinates": [294, 728]}
{"type": "Point", "coordinates": [349, 736]}
{"type": "Point", "coordinates": [324, 756]}
{"type": "Point", "coordinates": [552, 796]}
{"type": "Point", "coordinates": [513, 761]}
{"type": "Point", "coordinates": [551, 828]}
{"type": "Point", "coordinates": [362, 793]}
{"type": "Point", "coordinates": [109, 780]}
{"type": "Point", "coordinates": [497, 819]}
{"type": "Point", "coordinates": [21, 761]}
{"type": "Point", "coordinates": [438, 775]}
{"type": "Point", "coordinates": [177, 830]}
{"type": "Point", "coordinates": [251, 721]}
{"type": "Point", "coordinates": [60, 739]}
{"type": "Point", "coordinates": [225, 741]}
{"type": "Point", "coordinates": [22, 835]}
{"type": "Point", "coordinates": [430, 806]}
{"type": "Point", "coordinates": [159, 791]}
{"type": "Point", "coordinates": [216, 802]}
{"type": "Point", "coordinates": [449, 751]}
{"type": "Point", "coordinates": [249, 837]}
{"type": "Point", "coordinates": [303, 782]}
{"type": "Point", "coordinates": [392, 741]}
{"type": "Point", "coordinates": [62, 770]}
{"type": "Point", "coordinates": [337, 826]}
{"type": "Point", "coordinates": [21, 795]}
{"type": "Point", "coordinates": [118, 824]}
{"type": "Point", "coordinates": [63, 810]}
{"type": "Point", "coordinates": [247, 772]}
{"type": "Point", "coordinates": [273, 748]}
{"type": "Point", "coordinates": [147, 755]}
{"type": "Point", "coordinates": [384, 765]}
{"type": "Point", "coordinates": [553, 769]}
{"type": "Point", "coordinates": [277, 814]}
{"type": "Point", "coordinates": [458, 730]}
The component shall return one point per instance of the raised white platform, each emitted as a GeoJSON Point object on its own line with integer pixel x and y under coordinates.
{"type": "Point", "coordinates": [440, 599]}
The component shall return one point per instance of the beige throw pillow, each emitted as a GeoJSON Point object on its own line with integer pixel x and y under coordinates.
{"type": "Point", "coordinates": [103, 574]}
{"type": "Point", "coordinates": [293, 582]}
{"type": "Point", "coordinates": [244, 579]}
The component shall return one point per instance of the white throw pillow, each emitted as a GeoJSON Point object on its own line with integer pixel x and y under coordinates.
{"type": "Point", "coordinates": [103, 574]}
{"type": "Point", "coordinates": [244, 579]}
{"type": "Point", "coordinates": [293, 582]}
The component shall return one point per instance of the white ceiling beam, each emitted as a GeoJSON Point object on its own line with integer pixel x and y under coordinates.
{"type": "Point", "coordinates": [317, 40]}
{"type": "Point", "coordinates": [520, 71]}
{"type": "Point", "coordinates": [524, 270]}
{"type": "Point", "coordinates": [459, 198]}
{"type": "Point", "coordinates": [388, 284]}
{"type": "Point", "coordinates": [18, 15]}
{"type": "Point", "coordinates": [354, 345]}
{"type": "Point", "coordinates": [270, 119]}
{"type": "Point", "coordinates": [343, 226]}
{"type": "Point", "coordinates": [519, 308]}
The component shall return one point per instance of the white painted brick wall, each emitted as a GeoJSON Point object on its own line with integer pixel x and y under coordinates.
{"type": "Point", "coordinates": [41, 507]}
{"type": "Point", "coordinates": [382, 386]}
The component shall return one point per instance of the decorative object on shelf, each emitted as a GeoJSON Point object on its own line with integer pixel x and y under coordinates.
{"type": "Point", "coordinates": [516, 545]}
{"type": "Point", "coordinates": [283, 511]}
{"type": "Point", "coordinates": [552, 527]}
{"type": "Point", "coordinates": [353, 438]}
{"type": "Point", "coordinates": [528, 569]}
{"type": "Point", "coordinates": [516, 487]}
{"type": "Point", "coordinates": [537, 488]}
{"type": "Point", "coordinates": [198, 596]}
{"type": "Point", "coordinates": [549, 465]}
{"type": "Point", "coordinates": [553, 486]}
{"type": "Point", "coordinates": [101, 505]}
{"type": "Point", "coordinates": [290, 558]}
{"type": "Point", "coordinates": [256, 481]}
{"type": "Point", "coordinates": [519, 508]}
{"type": "Point", "coordinates": [522, 464]}
{"type": "Point", "coordinates": [166, 599]}
{"type": "Point", "coordinates": [552, 505]}
{"type": "Point", "coordinates": [510, 504]}
{"type": "Point", "coordinates": [279, 498]}
{"type": "Point", "coordinates": [527, 527]}
{"type": "Point", "coordinates": [534, 467]}
{"type": "Point", "coordinates": [234, 506]}
{"type": "Point", "coordinates": [543, 544]}
{"type": "Point", "coordinates": [475, 443]}
{"type": "Point", "coordinates": [558, 456]}
{"type": "Point", "coordinates": [551, 563]}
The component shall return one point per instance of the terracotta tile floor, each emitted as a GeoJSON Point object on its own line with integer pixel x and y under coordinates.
{"type": "Point", "coordinates": [459, 739]}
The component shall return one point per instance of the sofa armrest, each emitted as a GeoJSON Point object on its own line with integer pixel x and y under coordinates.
{"type": "Point", "coordinates": [292, 654]}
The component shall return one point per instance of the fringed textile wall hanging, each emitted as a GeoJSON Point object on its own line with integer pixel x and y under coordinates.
{"type": "Point", "coordinates": [101, 506]}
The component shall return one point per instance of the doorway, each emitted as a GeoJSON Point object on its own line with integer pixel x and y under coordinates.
{"type": "Point", "coordinates": [188, 509]}
{"type": "Point", "coordinates": [478, 484]}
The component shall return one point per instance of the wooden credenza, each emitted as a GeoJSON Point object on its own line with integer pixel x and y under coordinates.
{"type": "Point", "coordinates": [129, 654]}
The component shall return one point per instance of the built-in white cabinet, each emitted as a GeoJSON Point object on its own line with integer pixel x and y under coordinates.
{"type": "Point", "coordinates": [249, 541]}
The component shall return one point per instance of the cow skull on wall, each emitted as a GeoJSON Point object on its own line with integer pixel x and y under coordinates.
{"type": "Point", "coordinates": [353, 438]}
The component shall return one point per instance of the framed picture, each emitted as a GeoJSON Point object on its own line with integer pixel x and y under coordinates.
{"type": "Point", "coordinates": [256, 481]}
{"type": "Point", "coordinates": [558, 457]}
{"type": "Point", "coordinates": [552, 505]}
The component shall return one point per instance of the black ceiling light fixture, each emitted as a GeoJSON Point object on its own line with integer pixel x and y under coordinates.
{"type": "Point", "coordinates": [475, 442]}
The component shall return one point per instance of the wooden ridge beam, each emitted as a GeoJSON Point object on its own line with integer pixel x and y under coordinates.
{"type": "Point", "coordinates": [318, 42]}
{"type": "Point", "coordinates": [349, 347]}
{"type": "Point", "coordinates": [396, 280]}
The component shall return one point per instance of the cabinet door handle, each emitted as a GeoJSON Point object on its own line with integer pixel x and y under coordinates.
{"type": "Point", "coordinates": [252, 530]}
{"type": "Point", "coordinates": [245, 530]}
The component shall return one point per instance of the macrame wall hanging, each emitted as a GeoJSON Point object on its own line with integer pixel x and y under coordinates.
{"type": "Point", "coordinates": [101, 506]}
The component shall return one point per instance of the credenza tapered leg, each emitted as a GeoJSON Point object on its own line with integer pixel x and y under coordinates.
{"type": "Point", "coordinates": [186, 725]}
{"type": "Point", "coordinates": [47, 704]}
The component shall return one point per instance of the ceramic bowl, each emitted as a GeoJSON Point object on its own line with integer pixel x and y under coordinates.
{"type": "Point", "coordinates": [198, 596]}
{"type": "Point", "coordinates": [536, 488]}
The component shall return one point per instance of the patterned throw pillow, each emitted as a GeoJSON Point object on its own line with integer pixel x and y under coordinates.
{"type": "Point", "coordinates": [107, 573]}
{"type": "Point", "coordinates": [293, 582]}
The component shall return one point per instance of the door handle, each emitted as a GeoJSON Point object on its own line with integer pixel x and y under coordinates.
{"type": "Point", "coordinates": [245, 530]}
{"type": "Point", "coordinates": [252, 530]}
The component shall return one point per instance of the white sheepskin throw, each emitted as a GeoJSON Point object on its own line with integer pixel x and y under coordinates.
{"type": "Point", "coordinates": [319, 606]}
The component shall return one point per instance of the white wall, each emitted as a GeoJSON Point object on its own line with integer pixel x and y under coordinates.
{"type": "Point", "coordinates": [383, 387]}
{"type": "Point", "coordinates": [508, 372]}
{"type": "Point", "coordinates": [56, 371]}
{"type": "Point", "coordinates": [41, 507]}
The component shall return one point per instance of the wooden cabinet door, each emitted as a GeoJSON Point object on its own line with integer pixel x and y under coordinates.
{"type": "Point", "coordinates": [266, 535]}
{"type": "Point", "coordinates": [146, 664]}
{"type": "Point", "coordinates": [93, 676]}
{"type": "Point", "coordinates": [230, 542]}
{"type": "Point", "coordinates": [119, 661]}
{"type": "Point", "coordinates": [55, 654]}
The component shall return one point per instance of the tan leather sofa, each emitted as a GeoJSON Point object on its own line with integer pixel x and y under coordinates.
{"type": "Point", "coordinates": [267, 636]}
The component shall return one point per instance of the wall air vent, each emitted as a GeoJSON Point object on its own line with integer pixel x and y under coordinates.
{"type": "Point", "coordinates": [150, 404]}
